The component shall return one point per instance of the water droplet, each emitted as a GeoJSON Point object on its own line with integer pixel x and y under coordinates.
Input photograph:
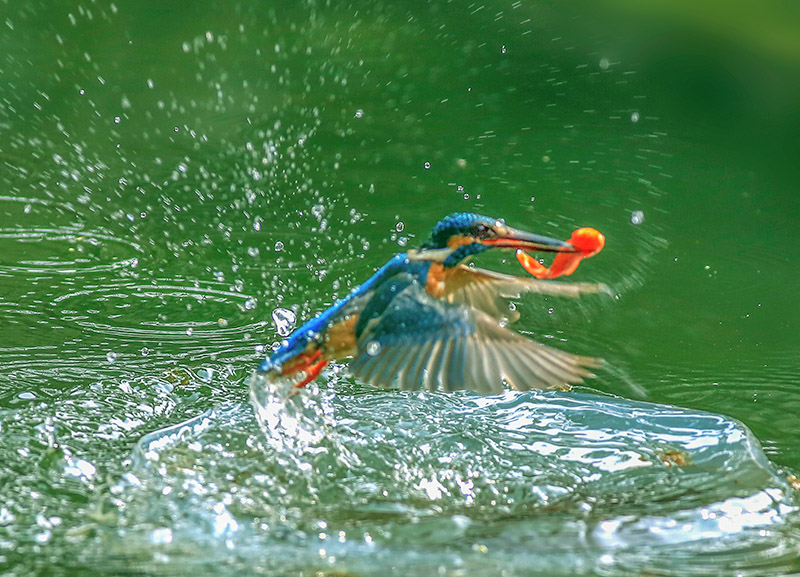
{"type": "Point", "coordinates": [466, 196]}
{"type": "Point", "coordinates": [503, 49]}
{"type": "Point", "coordinates": [26, 396]}
{"type": "Point", "coordinates": [144, 351]}
{"type": "Point", "coordinates": [373, 348]}
{"type": "Point", "coordinates": [399, 226]}
{"type": "Point", "coordinates": [161, 536]}
{"type": "Point", "coordinates": [604, 64]}
{"type": "Point", "coordinates": [189, 332]}
{"type": "Point", "coordinates": [359, 113]}
{"type": "Point", "coordinates": [278, 246]}
{"type": "Point", "coordinates": [43, 537]}
{"type": "Point", "coordinates": [205, 374]}
{"type": "Point", "coordinates": [117, 120]}
{"type": "Point", "coordinates": [111, 356]}
{"type": "Point", "coordinates": [284, 320]}
{"type": "Point", "coordinates": [427, 165]}
{"type": "Point", "coordinates": [253, 251]}
{"type": "Point", "coordinates": [634, 117]}
{"type": "Point", "coordinates": [222, 323]}
{"type": "Point", "coordinates": [250, 303]}
{"type": "Point", "coordinates": [637, 217]}
{"type": "Point", "coordinates": [402, 241]}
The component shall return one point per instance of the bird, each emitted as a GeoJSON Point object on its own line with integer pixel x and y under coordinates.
{"type": "Point", "coordinates": [429, 320]}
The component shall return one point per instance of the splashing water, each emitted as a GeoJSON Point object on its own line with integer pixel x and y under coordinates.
{"type": "Point", "coordinates": [285, 321]}
{"type": "Point", "coordinates": [454, 483]}
{"type": "Point", "coordinates": [295, 421]}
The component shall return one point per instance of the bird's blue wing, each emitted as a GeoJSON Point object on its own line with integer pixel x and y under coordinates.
{"type": "Point", "coordinates": [417, 341]}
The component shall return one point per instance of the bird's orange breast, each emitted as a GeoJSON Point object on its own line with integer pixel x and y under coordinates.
{"type": "Point", "coordinates": [437, 276]}
{"type": "Point", "coordinates": [340, 338]}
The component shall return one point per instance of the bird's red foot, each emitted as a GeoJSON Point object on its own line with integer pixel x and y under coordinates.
{"type": "Point", "coordinates": [312, 372]}
{"type": "Point", "coordinates": [310, 364]}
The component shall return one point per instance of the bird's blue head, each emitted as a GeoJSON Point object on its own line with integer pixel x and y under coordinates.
{"type": "Point", "coordinates": [467, 234]}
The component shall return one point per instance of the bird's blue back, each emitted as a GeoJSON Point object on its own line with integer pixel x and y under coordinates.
{"type": "Point", "coordinates": [387, 281]}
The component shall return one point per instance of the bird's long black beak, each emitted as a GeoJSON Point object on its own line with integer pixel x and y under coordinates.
{"type": "Point", "coordinates": [515, 239]}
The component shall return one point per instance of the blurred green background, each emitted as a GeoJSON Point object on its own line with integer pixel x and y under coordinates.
{"type": "Point", "coordinates": [172, 174]}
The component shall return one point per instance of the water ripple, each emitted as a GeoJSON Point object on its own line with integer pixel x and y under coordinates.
{"type": "Point", "coordinates": [63, 251]}
{"type": "Point", "coordinates": [30, 211]}
{"type": "Point", "coordinates": [163, 310]}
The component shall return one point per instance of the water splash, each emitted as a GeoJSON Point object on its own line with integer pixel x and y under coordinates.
{"type": "Point", "coordinates": [295, 422]}
{"type": "Point", "coordinates": [567, 483]}
{"type": "Point", "coordinates": [285, 321]}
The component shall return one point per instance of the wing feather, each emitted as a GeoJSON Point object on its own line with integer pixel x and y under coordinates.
{"type": "Point", "coordinates": [413, 375]}
{"type": "Point", "coordinates": [515, 374]}
{"type": "Point", "coordinates": [485, 368]}
{"type": "Point", "coordinates": [426, 342]}
{"type": "Point", "coordinates": [388, 374]}
{"type": "Point", "coordinates": [431, 375]}
{"type": "Point", "coordinates": [443, 370]}
{"type": "Point", "coordinates": [489, 291]}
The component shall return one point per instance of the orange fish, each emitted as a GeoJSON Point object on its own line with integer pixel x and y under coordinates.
{"type": "Point", "coordinates": [588, 241]}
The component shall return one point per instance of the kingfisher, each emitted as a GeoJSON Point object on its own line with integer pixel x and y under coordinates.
{"type": "Point", "coordinates": [428, 320]}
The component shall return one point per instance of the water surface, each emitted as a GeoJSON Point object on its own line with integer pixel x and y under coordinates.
{"type": "Point", "coordinates": [180, 187]}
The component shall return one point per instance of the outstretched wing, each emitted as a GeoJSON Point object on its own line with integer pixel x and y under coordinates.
{"type": "Point", "coordinates": [489, 291]}
{"type": "Point", "coordinates": [420, 341]}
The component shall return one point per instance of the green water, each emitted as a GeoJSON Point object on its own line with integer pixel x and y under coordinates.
{"type": "Point", "coordinates": [174, 180]}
